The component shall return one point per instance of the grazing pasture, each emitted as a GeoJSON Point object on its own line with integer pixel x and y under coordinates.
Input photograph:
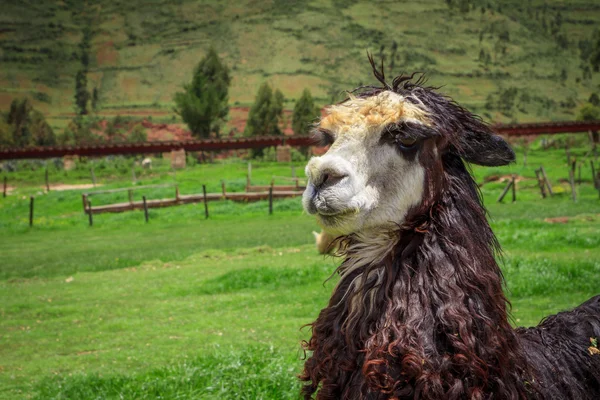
{"type": "Point", "coordinates": [183, 307]}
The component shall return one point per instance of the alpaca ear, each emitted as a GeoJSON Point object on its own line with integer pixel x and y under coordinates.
{"type": "Point", "coordinates": [484, 148]}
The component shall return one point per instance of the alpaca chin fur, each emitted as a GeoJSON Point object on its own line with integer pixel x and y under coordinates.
{"type": "Point", "coordinates": [419, 311]}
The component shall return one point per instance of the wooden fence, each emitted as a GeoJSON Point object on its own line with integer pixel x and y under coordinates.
{"type": "Point", "coordinates": [272, 192]}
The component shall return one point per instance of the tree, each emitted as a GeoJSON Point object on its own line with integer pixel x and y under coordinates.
{"type": "Point", "coordinates": [589, 112]}
{"type": "Point", "coordinates": [6, 134]}
{"type": "Point", "coordinates": [595, 53]}
{"type": "Point", "coordinates": [265, 113]}
{"type": "Point", "coordinates": [393, 54]}
{"type": "Point", "coordinates": [27, 126]}
{"type": "Point", "coordinates": [43, 135]}
{"type": "Point", "coordinates": [481, 55]}
{"type": "Point", "coordinates": [95, 98]}
{"type": "Point", "coordinates": [203, 103]}
{"type": "Point", "coordinates": [81, 94]}
{"type": "Point", "coordinates": [277, 106]}
{"type": "Point", "coordinates": [305, 113]}
{"type": "Point", "coordinates": [85, 46]}
{"type": "Point", "coordinates": [464, 6]}
{"type": "Point", "coordinates": [18, 117]}
{"type": "Point", "coordinates": [563, 76]}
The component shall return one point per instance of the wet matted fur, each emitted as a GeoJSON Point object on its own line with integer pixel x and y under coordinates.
{"type": "Point", "coordinates": [428, 318]}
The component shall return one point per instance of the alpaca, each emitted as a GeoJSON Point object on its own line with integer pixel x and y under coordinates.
{"type": "Point", "coordinates": [419, 311]}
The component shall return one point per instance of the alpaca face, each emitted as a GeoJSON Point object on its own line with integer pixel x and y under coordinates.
{"type": "Point", "coordinates": [371, 176]}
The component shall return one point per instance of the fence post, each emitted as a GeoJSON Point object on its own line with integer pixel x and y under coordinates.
{"type": "Point", "coordinates": [510, 183]}
{"type": "Point", "coordinates": [84, 201]}
{"type": "Point", "coordinates": [541, 183]}
{"type": "Point", "coordinates": [130, 194]}
{"type": "Point", "coordinates": [205, 202]}
{"type": "Point", "coordinates": [514, 189]}
{"type": "Point", "coordinates": [177, 193]}
{"type": "Point", "coordinates": [546, 181]}
{"type": "Point", "coordinates": [593, 135]}
{"type": "Point", "coordinates": [5, 184]}
{"type": "Point", "coordinates": [595, 179]}
{"type": "Point", "coordinates": [145, 208]}
{"type": "Point", "coordinates": [47, 183]}
{"type": "Point", "coordinates": [31, 199]}
{"type": "Point", "coordinates": [223, 189]}
{"type": "Point", "coordinates": [572, 181]}
{"type": "Point", "coordinates": [271, 200]}
{"type": "Point", "coordinates": [90, 217]}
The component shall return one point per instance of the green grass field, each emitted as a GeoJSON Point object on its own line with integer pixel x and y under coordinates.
{"type": "Point", "coordinates": [184, 307]}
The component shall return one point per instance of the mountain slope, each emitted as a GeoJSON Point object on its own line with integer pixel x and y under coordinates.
{"type": "Point", "coordinates": [497, 59]}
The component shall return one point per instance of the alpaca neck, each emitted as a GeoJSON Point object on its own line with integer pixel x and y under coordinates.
{"type": "Point", "coordinates": [421, 312]}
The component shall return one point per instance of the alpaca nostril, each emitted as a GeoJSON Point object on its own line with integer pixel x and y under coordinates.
{"type": "Point", "coordinates": [331, 178]}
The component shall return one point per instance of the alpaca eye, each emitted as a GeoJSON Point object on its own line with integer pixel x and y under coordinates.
{"type": "Point", "coordinates": [406, 143]}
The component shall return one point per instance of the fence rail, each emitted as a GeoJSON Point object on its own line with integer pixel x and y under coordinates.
{"type": "Point", "coordinates": [259, 142]}
{"type": "Point", "coordinates": [186, 199]}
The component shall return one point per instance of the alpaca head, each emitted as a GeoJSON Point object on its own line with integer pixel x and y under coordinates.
{"type": "Point", "coordinates": [389, 147]}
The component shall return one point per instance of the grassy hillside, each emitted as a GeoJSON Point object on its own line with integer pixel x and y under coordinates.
{"type": "Point", "coordinates": [142, 52]}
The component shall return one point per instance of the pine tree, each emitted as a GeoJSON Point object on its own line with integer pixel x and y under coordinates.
{"type": "Point", "coordinates": [95, 98]}
{"type": "Point", "coordinates": [81, 94]}
{"type": "Point", "coordinates": [305, 113]}
{"type": "Point", "coordinates": [203, 105]}
{"type": "Point", "coordinates": [265, 113]}
{"type": "Point", "coordinates": [277, 109]}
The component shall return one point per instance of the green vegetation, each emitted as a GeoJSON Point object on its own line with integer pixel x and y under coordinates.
{"type": "Point", "coordinates": [184, 307]}
{"type": "Point", "coordinates": [140, 56]}
{"type": "Point", "coordinates": [305, 113]}
{"type": "Point", "coordinates": [266, 112]}
{"type": "Point", "coordinates": [203, 105]}
{"type": "Point", "coordinates": [24, 126]}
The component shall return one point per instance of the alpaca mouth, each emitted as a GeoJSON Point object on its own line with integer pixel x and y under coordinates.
{"type": "Point", "coordinates": [332, 218]}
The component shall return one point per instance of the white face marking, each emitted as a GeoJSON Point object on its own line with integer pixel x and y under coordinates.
{"type": "Point", "coordinates": [361, 184]}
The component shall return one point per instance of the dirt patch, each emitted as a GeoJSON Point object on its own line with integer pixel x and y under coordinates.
{"type": "Point", "coordinates": [107, 55]}
{"type": "Point", "coordinates": [565, 220]}
{"type": "Point", "coordinates": [557, 220]}
{"type": "Point", "coordinates": [503, 178]}
{"type": "Point", "coordinates": [160, 132]}
{"type": "Point", "coordinates": [59, 187]}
